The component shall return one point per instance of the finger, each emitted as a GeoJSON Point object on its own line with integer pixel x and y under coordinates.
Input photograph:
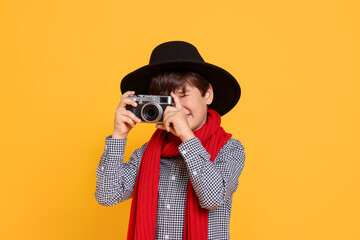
{"type": "Point", "coordinates": [176, 101]}
{"type": "Point", "coordinates": [160, 126]}
{"type": "Point", "coordinates": [127, 94]}
{"type": "Point", "coordinates": [166, 125]}
{"type": "Point", "coordinates": [170, 109]}
{"type": "Point", "coordinates": [127, 120]}
{"type": "Point", "coordinates": [131, 115]}
{"type": "Point", "coordinates": [128, 101]}
{"type": "Point", "coordinates": [168, 115]}
{"type": "Point", "coordinates": [170, 121]}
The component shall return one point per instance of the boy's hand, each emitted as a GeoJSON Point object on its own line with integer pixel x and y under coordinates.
{"type": "Point", "coordinates": [124, 119]}
{"type": "Point", "coordinates": [175, 121]}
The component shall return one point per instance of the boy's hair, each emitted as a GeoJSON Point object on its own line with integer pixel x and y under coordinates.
{"type": "Point", "coordinates": [166, 82]}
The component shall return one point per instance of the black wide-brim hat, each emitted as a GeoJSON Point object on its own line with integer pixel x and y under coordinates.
{"type": "Point", "coordinates": [183, 56]}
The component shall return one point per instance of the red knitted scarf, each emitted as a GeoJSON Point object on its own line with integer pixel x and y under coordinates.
{"type": "Point", "coordinates": [145, 196]}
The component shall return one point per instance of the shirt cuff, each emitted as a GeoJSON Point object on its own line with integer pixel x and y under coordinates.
{"type": "Point", "coordinates": [114, 146]}
{"type": "Point", "coordinates": [194, 154]}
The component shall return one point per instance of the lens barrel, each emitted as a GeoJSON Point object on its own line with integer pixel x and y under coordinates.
{"type": "Point", "coordinates": [151, 112]}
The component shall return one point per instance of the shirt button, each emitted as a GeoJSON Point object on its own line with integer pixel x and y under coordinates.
{"type": "Point", "coordinates": [195, 173]}
{"type": "Point", "coordinates": [173, 178]}
{"type": "Point", "coordinates": [105, 146]}
{"type": "Point", "coordinates": [168, 206]}
{"type": "Point", "coordinates": [183, 151]}
{"type": "Point", "coordinates": [166, 237]}
{"type": "Point", "coordinates": [102, 168]}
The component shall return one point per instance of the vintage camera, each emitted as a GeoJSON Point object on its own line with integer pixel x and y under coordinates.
{"type": "Point", "coordinates": [150, 108]}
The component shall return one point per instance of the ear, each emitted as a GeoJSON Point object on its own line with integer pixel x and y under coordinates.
{"type": "Point", "coordinates": [209, 95]}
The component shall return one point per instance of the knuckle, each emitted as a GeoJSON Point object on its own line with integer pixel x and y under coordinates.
{"type": "Point", "coordinates": [124, 118]}
{"type": "Point", "coordinates": [133, 116]}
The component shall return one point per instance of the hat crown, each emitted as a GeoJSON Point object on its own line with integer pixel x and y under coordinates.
{"type": "Point", "coordinates": [175, 51]}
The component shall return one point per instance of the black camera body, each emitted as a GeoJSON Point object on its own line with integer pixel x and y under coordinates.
{"type": "Point", "coordinates": [150, 108]}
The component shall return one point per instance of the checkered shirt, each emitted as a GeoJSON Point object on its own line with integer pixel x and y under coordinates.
{"type": "Point", "coordinates": [214, 183]}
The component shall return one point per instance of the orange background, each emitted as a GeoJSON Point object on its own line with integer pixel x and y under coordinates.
{"type": "Point", "coordinates": [298, 117]}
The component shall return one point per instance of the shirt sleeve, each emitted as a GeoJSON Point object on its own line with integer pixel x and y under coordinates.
{"type": "Point", "coordinates": [213, 182]}
{"type": "Point", "coordinates": [116, 178]}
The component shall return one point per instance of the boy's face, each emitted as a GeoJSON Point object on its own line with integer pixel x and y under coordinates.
{"type": "Point", "coordinates": [195, 105]}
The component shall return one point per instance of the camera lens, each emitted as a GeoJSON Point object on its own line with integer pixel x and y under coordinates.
{"type": "Point", "coordinates": [151, 112]}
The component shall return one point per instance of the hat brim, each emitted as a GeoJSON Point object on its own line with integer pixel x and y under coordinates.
{"type": "Point", "coordinates": [226, 89]}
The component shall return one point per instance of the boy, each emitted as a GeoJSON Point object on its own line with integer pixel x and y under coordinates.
{"type": "Point", "coordinates": [181, 182]}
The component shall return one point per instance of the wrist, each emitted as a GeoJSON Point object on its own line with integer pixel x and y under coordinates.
{"type": "Point", "coordinates": [118, 136]}
{"type": "Point", "coordinates": [187, 136]}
